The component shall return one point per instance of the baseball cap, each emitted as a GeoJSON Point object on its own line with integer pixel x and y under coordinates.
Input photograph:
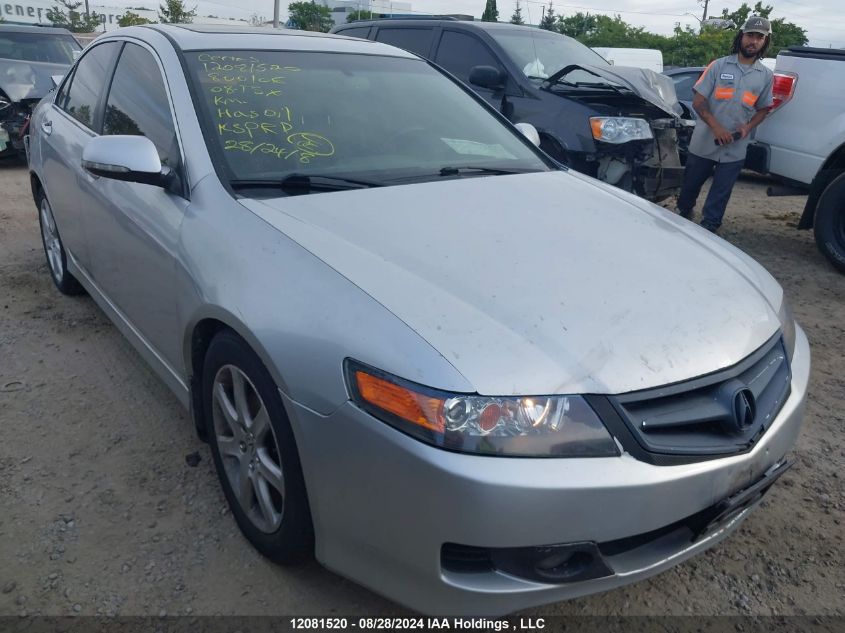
{"type": "Point", "coordinates": [756, 24]}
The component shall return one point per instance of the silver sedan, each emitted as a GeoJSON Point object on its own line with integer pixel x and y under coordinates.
{"type": "Point", "coordinates": [419, 349]}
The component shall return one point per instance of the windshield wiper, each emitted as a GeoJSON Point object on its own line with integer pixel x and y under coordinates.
{"type": "Point", "coordinates": [303, 183]}
{"type": "Point", "coordinates": [460, 170]}
{"type": "Point", "coordinates": [470, 169]}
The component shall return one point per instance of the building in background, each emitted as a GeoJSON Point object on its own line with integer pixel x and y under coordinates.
{"type": "Point", "coordinates": [379, 8]}
{"type": "Point", "coordinates": [35, 11]}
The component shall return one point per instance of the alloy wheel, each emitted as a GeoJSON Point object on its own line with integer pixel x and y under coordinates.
{"type": "Point", "coordinates": [52, 242]}
{"type": "Point", "coordinates": [248, 448]}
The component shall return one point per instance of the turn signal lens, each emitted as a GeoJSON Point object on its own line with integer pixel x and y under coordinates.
{"type": "Point", "coordinates": [415, 408]}
{"type": "Point", "coordinates": [536, 426]}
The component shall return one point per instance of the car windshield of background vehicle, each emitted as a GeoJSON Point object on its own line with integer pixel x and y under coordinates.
{"type": "Point", "coordinates": [38, 47]}
{"type": "Point", "coordinates": [374, 119]}
{"type": "Point", "coordinates": [541, 54]}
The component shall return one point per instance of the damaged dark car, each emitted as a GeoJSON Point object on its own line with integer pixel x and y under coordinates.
{"type": "Point", "coordinates": [30, 56]}
{"type": "Point", "coordinates": [620, 125]}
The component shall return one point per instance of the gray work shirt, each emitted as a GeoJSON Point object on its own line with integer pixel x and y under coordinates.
{"type": "Point", "coordinates": [734, 93]}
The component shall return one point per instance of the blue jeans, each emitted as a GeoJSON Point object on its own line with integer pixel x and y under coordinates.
{"type": "Point", "coordinates": [697, 171]}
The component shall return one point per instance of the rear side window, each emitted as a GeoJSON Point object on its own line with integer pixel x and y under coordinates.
{"type": "Point", "coordinates": [417, 41]}
{"type": "Point", "coordinates": [137, 103]}
{"type": "Point", "coordinates": [358, 31]}
{"type": "Point", "coordinates": [458, 53]}
{"type": "Point", "coordinates": [88, 83]}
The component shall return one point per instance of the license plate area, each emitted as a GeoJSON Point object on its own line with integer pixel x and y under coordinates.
{"type": "Point", "coordinates": [729, 508]}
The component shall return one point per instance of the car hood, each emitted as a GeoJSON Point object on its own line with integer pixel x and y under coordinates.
{"type": "Point", "coordinates": [28, 80]}
{"type": "Point", "coordinates": [540, 283]}
{"type": "Point", "coordinates": [657, 89]}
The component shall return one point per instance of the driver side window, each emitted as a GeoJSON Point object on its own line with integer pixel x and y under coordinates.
{"type": "Point", "coordinates": [458, 53]}
{"type": "Point", "coordinates": [87, 85]}
{"type": "Point", "coordinates": [138, 105]}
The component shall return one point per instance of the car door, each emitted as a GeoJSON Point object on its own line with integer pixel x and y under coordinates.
{"type": "Point", "coordinates": [459, 52]}
{"type": "Point", "coordinates": [64, 129]}
{"type": "Point", "coordinates": [135, 227]}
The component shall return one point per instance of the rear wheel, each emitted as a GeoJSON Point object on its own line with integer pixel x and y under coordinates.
{"type": "Point", "coordinates": [54, 249]}
{"type": "Point", "coordinates": [255, 452]}
{"type": "Point", "coordinates": [829, 224]}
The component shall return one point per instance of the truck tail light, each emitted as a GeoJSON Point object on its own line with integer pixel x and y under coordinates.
{"type": "Point", "coordinates": [783, 88]}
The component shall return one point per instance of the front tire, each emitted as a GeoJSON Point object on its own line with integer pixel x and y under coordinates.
{"type": "Point", "coordinates": [54, 250]}
{"type": "Point", "coordinates": [829, 224]}
{"type": "Point", "coordinates": [255, 452]}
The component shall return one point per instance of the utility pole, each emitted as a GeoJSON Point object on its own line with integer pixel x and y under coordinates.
{"type": "Point", "coordinates": [275, 14]}
{"type": "Point", "coordinates": [87, 14]}
{"type": "Point", "coordinates": [706, 2]}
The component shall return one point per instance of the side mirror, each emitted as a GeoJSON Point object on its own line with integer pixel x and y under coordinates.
{"type": "Point", "coordinates": [129, 158]}
{"type": "Point", "coordinates": [530, 132]}
{"type": "Point", "coordinates": [487, 77]}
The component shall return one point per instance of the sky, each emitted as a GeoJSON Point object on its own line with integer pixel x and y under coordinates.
{"type": "Point", "coordinates": [821, 18]}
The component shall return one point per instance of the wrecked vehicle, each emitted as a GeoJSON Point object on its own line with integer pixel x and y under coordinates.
{"type": "Point", "coordinates": [620, 125]}
{"type": "Point", "coordinates": [30, 56]}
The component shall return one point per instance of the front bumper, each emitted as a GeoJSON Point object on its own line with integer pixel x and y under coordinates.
{"type": "Point", "coordinates": [12, 132]}
{"type": "Point", "coordinates": [384, 505]}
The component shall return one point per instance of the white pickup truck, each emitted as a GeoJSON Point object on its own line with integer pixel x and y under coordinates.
{"type": "Point", "coordinates": [802, 141]}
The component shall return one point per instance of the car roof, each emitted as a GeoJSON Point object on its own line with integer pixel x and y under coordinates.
{"type": "Point", "coordinates": [683, 69]}
{"type": "Point", "coordinates": [452, 23]}
{"type": "Point", "coordinates": [23, 28]}
{"type": "Point", "coordinates": [190, 37]}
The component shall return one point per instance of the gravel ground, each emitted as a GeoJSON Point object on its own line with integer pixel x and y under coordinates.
{"type": "Point", "coordinates": [100, 513]}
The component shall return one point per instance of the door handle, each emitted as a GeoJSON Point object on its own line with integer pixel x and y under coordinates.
{"type": "Point", "coordinates": [47, 127]}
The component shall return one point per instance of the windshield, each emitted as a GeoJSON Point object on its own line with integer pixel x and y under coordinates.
{"type": "Point", "coordinates": [38, 47]}
{"type": "Point", "coordinates": [540, 54]}
{"type": "Point", "coordinates": [383, 120]}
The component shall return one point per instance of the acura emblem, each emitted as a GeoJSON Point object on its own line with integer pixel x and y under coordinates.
{"type": "Point", "coordinates": [744, 409]}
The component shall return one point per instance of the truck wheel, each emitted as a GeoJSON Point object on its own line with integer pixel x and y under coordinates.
{"type": "Point", "coordinates": [829, 225]}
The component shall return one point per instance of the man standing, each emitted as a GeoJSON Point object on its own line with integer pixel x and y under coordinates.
{"type": "Point", "coordinates": [732, 96]}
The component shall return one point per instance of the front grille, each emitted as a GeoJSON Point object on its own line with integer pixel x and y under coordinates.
{"type": "Point", "coordinates": [719, 414]}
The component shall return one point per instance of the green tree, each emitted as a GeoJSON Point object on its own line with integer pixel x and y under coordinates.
{"type": "Point", "coordinates": [67, 16]}
{"type": "Point", "coordinates": [361, 14]}
{"type": "Point", "coordinates": [131, 19]}
{"type": "Point", "coordinates": [785, 34]}
{"type": "Point", "coordinates": [548, 20]}
{"type": "Point", "coordinates": [578, 26]}
{"type": "Point", "coordinates": [174, 12]}
{"type": "Point", "coordinates": [516, 18]}
{"type": "Point", "coordinates": [310, 16]}
{"type": "Point", "coordinates": [491, 13]}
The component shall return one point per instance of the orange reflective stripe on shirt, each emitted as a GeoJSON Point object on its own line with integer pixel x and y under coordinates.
{"type": "Point", "coordinates": [749, 98]}
{"type": "Point", "coordinates": [723, 93]}
{"type": "Point", "coordinates": [705, 72]}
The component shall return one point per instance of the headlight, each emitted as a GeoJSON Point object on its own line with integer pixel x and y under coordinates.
{"type": "Point", "coordinates": [787, 326]}
{"type": "Point", "coordinates": [620, 129]}
{"type": "Point", "coordinates": [535, 426]}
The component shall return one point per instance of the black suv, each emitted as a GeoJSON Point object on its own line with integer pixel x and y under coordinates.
{"type": "Point", "coordinates": [618, 124]}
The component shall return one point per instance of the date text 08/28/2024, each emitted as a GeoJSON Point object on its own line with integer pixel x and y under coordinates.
{"type": "Point", "coordinates": [420, 624]}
